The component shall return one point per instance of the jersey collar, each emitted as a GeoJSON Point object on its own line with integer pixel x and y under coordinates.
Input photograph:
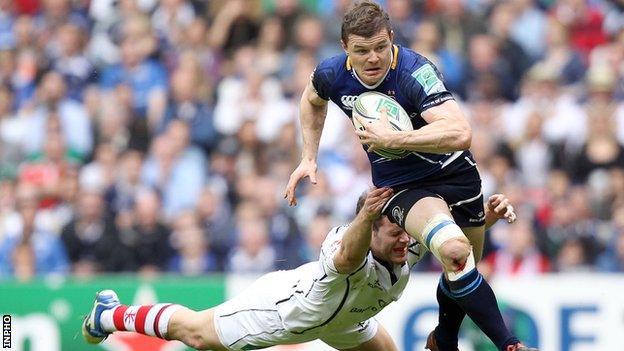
{"type": "Point", "coordinates": [393, 64]}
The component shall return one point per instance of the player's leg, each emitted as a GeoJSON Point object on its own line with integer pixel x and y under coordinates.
{"type": "Point", "coordinates": [382, 341]}
{"type": "Point", "coordinates": [196, 329]}
{"type": "Point", "coordinates": [476, 236]}
{"type": "Point", "coordinates": [451, 315]}
{"type": "Point", "coordinates": [428, 219]}
{"type": "Point", "coordinates": [165, 321]}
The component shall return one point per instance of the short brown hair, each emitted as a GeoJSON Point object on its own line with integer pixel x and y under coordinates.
{"type": "Point", "coordinates": [364, 19]}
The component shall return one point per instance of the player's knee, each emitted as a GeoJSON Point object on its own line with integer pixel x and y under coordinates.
{"type": "Point", "coordinates": [446, 241]}
{"type": "Point", "coordinates": [196, 342]}
{"type": "Point", "coordinates": [454, 253]}
{"type": "Point", "coordinates": [196, 334]}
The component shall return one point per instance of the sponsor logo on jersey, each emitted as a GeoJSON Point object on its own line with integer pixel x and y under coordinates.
{"type": "Point", "coordinates": [362, 310]}
{"type": "Point", "coordinates": [348, 101]}
{"type": "Point", "coordinates": [375, 285]}
{"type": "Point", "coordinates": [429, 80]}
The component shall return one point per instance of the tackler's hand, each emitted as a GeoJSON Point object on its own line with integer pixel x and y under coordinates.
{"type": "Point", "coordinates": [498, 205]}
{"type": "Point", "coordinates": [375, 201]}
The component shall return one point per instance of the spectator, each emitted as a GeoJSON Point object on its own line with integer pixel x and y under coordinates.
{"type": "Point", "coordinates": [519, 255]}
{"type": "Point", "coordinates": [529, 27]}
{"type": "Point", "coordinates": [270, 45]}
{"type": "Point", "coordinates": [145, 239]}
{"type": "Point", "coordinates": [193, 256]}
{"type": "Point", "coordinates": [74, 123]}
{"type": "Point", "coordinates": [195, 41]}
{"type": "Point", "coordinates": [428, 42]}
{"type": "Point", "coordinates": [251, 96]}
{"type": "Point", "coordinates": [490, 75]}
{"type": "Point", "coordinates": [253, 253]}
{"type": "Point", "coordinates": [612, 260]}
{"type": "Point", "coordinates": [565, 121]}
{"type": "Point", "coordinates": [283, 231]}
{"type": "Point", "coordinates": [458, 25]}
{"type": "Point", "coordinates": [176, 168]}
{"type": "Point", "coordinates": [233, 27]}
{"type": "Point", "coordinates": [31, 250]}
{"type": "Point", "coordinates": [405, 18]}
{"type": "Point", "coordinates": [13, 132]}
{"type": "Point", "coordinates": [215, 216]}
{"type": "Point", "coordinates": [120, 197]}
{"type": "Point", "coordinates": [186, 105]}
{"type": "Point", "coordinates": [144, 77]}
{"type": "Point", "coordinates": [584, 19]}
{"type": "Point", "coordinates": [91, 237]}
{"type": "Point", "coordinates": [99, 175]}
{"type": "Point", "coordinates": [70, 61]}
{"type": "Point", "coordinates": [113, 120]}
{"type": "Point", "coordinates": [171, 18]}
{"type": "Point", "coordinates": [561, 56]}
{"type": "Point", "coordinates": [601, 150]}
{"type": "Point", "coordinates": [500, 26]}
{"type": "Point", "coordinates": [320, 225]}
{"type": "Point", "coordinates": [573, 256]}
{"type": "Point", "coordinates": [8, 217]}
{"type": "Point", "coordinates": [46, 170]}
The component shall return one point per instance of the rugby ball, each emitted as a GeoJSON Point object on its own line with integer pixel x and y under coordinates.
{"type": "Point", "coordinates": [368, 108]}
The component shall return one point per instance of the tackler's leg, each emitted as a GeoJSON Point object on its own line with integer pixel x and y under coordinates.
{"type": "Point", "coordinates": [165, 321]}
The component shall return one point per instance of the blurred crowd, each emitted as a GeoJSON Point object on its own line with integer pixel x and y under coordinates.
{"type": "Point", "coordinates": [157, 136]}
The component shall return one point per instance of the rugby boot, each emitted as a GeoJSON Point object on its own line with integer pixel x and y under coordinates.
{"type": "Point", "coordinates": [432, 344]}
{"type": "Point", "coordinates": [91, 328]}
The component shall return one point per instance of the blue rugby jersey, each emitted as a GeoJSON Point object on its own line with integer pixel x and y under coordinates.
{"type": "Point", "coordinates": [416, 84]}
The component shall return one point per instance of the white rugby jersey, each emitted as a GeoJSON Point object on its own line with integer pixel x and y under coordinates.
{"type": "Point", "coordinates": [321, 298]}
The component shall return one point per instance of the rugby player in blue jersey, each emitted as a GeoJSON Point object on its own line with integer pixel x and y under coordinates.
{"type": "Point", "coordinates": [437, 188]}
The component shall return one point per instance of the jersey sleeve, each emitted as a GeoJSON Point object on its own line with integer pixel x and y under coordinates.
{"type": "Point", "coordinates": [322, 79]}
{"type": "Point", "coordinates": [424, 85]}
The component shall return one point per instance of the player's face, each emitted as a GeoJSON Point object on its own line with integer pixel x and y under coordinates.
{"type": "Point", "coordinates": [390, 242]}
{"type": "Point", "coordinates": [370, 57]}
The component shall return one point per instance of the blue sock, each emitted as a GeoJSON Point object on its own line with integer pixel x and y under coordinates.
{"type": "Point", "coordinates": [476, 298]}
{"type": "Point", "coordinates": [450, 319]}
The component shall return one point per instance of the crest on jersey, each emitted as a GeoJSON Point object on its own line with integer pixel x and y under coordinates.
{"type": "Point", "coordinates": [429, 80]}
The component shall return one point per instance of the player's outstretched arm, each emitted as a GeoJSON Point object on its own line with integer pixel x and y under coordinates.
{"type": "Point", "coordinates": [498, 207]}
{"type": "Point", "coordinates": [356, 240]}
{"type": "Point", "coordinates": [312, 112]}
{"type": "Point", "coordinates": [447, 131]}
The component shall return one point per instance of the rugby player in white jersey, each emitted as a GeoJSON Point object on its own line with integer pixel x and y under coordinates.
{"type": "Point", "coordinates": [363, 267]}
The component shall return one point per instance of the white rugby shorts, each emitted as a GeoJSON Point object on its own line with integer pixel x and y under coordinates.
{"type": "Point", "coordinates": [251, 321]}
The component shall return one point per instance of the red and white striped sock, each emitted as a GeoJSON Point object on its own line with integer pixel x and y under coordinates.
{"type": "Point", "coordinates": [145, 319]}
